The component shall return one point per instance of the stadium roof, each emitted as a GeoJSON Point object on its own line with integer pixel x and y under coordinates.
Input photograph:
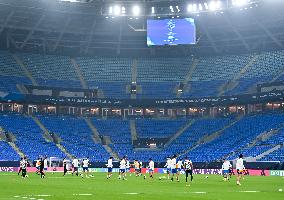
{"type": "Point", "coordinates": [87, 29]}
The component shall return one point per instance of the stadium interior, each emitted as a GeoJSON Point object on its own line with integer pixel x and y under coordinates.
{"type": "Point", "coordinates": [65, 51]}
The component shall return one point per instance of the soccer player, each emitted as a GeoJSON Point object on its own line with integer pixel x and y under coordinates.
{"type": "Point", "coordinates": [122, 168]}
{"type": "Point", "coordinates": [41, 168]}
{"type": "Point", "coordinates": [86, 167]}
{"type": "Point", "coordinates": [173, 167]}
{"type": "Point", "coordinates": [109, 167]}
{"type": "Point", "coordinates": [127, 166]}
{"type": "Point", "coordinates": [64, 166]}
{"type": "Point", "coordinates": [240, 168]}
{"type": "Point", "coordinates": [37, 166]}
{"type": "Point", "coordinates": [137, 168]}
{"type": "Point", "coordinates": [75, 164]}
{"type": "Point", "coordinates": [226, 169]}
{"type": "Point", "coordinates": [188, 168]}
{"type": "Point", "coordinates": [23, 165]}
{"type": "Point", "coordinates": [178, 168]}
{"type": "Point", "coordinates": [45, 163]}
{"type": "Point", "coordinates": [151, 168]}
{"type": "Point", "coordinates": [20, 168]}
{"type": "Point", "coordinates": [168, 166]}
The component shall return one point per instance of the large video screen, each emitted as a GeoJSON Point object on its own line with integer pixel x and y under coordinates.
{"type": "Point", "coordinates": [171, 31]}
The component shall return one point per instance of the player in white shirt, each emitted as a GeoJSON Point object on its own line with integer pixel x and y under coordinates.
{"type": "Point", "coordinates": [45, 164]}
{"type": "Point", "coordinates": [188, 168]}
{"type": "Point", "coordinates": [178, 167]}
{"type": "Point", "coordinates": [151, 168]}
{"type": "Point", "coordinates": [226, 169]}
{"type": "Point", "coordinates": [168, 166]}
{"type": "Point", "coordinates": [226, 166]}
{"type": "Point", "coordinates": [173, 167]}
{"type": "Point", "coordinates": [127, 166]}
{"type": "Point", "coordinates": [109, 167]}
{"type": "Point", "coordinates": [75, 164]}
{"type": "Point", "coordinates": [240, 168]}
{"type": "Point", "coordinates": [136, 165]}
{"type": "Point", "coordinates": [85, 167]}
{"type": "Point", "coordinates": [122, 169]}
{"type": "Point", "coordinates": [23, 165]}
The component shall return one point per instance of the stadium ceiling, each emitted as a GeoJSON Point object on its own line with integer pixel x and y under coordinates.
{"type": "Point", "coordinates": [89, 28]}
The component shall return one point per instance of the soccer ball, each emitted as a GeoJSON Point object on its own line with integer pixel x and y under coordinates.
{"type": "Point", "coordinates": [280, 190]}
{"type": "Point", "coordinates": [144, 176]}
{"type": "Point", "coordinates": [27, 176]}
{"type": "Point", "coordinates": [160, 178]}
{"type": "Point", "coordinates": [206, 176]}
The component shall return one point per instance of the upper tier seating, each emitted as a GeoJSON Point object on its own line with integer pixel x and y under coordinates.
{"type": "Point", "coordinates": [158, 77]}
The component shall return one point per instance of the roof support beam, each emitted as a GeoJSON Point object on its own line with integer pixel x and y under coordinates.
{"type": "Point", "coordinates": [62, 33]}
{"type": "Point", "coordinates": [32, 31]}
{"type": "Point", "coordinates": [6, 22]}
{"type": "Point", "coordinates": [89, 40]}
{"type": "Point", "coordinates": [272, 37]}
{"type": "Point", "coordinates": [208, 35]}
{"type": "Point", "coordinates": [119, 40]}
{"type": "Point", "coordinates": [237, 32]}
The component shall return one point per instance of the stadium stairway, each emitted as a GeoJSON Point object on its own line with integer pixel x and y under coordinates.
{"type": "Point", "coordinates": [11, 138]}
{"type": "Point", "coordinates": [134, 76]}
{"type": "Point", "coordinates": [228, 86]}
{"type": "Point", "coordinates": [17, 149]}
{"type": "Point", "coordinates": [96, 135]}
{"type": "Point", "coordinates": [277, 77]}
{"type": "Point", "coordinates": [133, 130]}
{"type": "Point", "coordinates": [179, 132]}
{"type": "Point", "coordinates": [97, 139]}
{"type": "Point", "coordinates": [46, 135]}
{"type": "Point", "coordinates": [209, 138]}
{"type": "Point", "coordinates": [49, 138]}
{"type": "Point", "coordinates": [260, 156]}
{"type": "Point", "coordinates": [188, 76]}
{"type": "Point", "coordinates": [261, 137]}
{"type": "Point", "coordinates": [24, 68]}
{"type": "Point", "coordinates": [79, 73]}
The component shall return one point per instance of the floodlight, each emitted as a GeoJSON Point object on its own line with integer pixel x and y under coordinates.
{"type": "Point", "coordinates": [136, 10]}
{"type": "Point", "coordinates": [240, 2]}
{"type": "Point", "coordinates": [117, 10]}
{"type": "Point", "coordinates": [153, 10]}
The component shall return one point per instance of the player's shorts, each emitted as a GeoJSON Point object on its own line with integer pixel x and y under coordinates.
{"type": "Point", "coordinates": [109, 169]}
{"type": "Point", "coordinates": [151, 170]}
{"type": "Point", "coordinates": [75, 169]}
{"type": "Point", "coordinates": [45, 169]}
{"type": "Point", "coordinates": [127, 169]}
{"type": "Point", "coordinates": [240, 171]}
{"type": "Point", "coordinates": [122, 170]}
{"type": "Point", "coordinates": [37, 168]}
{"type": "Point", "coordinates": [169, 170]}
{"type": "Point", "coordinates": [178, 169]}
{"type": "Point", "coordinates": [226, 171]}
{"type": "Point", "coordinates": [137, 170]}
{"type": "Point", "coordinates": [85, 169]}
{"type": "Point", "coordinates": [174, 171]}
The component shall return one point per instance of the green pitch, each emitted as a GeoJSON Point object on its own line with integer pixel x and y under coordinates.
{"type": "Point", "coordinates": [56, 187]}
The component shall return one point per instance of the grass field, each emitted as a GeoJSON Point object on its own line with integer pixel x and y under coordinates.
{"type": "Point", "coordinates": [56, 187]}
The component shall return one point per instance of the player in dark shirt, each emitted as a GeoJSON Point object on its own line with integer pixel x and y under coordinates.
{"type": "Point", "coordinates": [65, 166]}
{"type": "Point", "coordinates": [41, 168]}
{"type": "Point", "coordinates": [20, 169]}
